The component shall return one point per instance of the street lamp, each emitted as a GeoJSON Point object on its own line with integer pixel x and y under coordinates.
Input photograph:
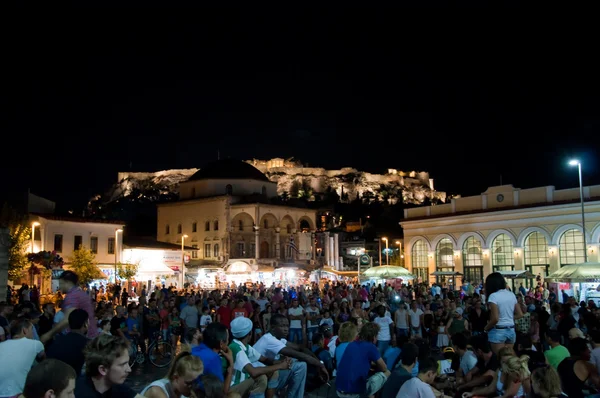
{"type": "Point", "coordinates": [33, 225]}
{"type": "Point", "coordinates": [182, 261]}
{"type": "Point", "coordinates": [577, 163]}
{"type": "Point", "coordinates": [387, 253]}
{"type": "Point", "coordinates": [399, 252]}
{"type": "Point", "coordinates": [116, 240]}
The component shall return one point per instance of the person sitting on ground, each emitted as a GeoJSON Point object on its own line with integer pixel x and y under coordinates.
{"type": "Point", "coordinates": [106, 369]}
{"type": "Point", "coordinates": [215, 340]}
{"type": "Point", "coordinates": [248, 379]}
{"type": "Point", "coordinates": [420, 386]}
{"type": "Point", "coordinates": [486, 371]}
{"type": "Point", "coordinates": [185, 369]}
{"type": "Point", "coordinates": [273, 344]}
{"type": "Point", "coordinates": [209, 386]}
{"type": "Point", "coordinates": [50, 378]}
{"type": "Point", "coordinates": [353, 373]}
{"type": "Point", "coordinates": [402, 373]}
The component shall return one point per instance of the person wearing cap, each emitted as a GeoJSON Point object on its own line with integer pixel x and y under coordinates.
{"type": "Point", "coordinates": [457, 324]}
{"type": "Point", "coordinates": [75, 298]}
{"type": "Point", "coordinates": [250, 375]}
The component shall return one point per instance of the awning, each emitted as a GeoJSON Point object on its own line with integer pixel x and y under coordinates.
{"type": "Point", "coordinates": [576, 273]}
{"type": "Point", "coordinates": [388, 272]}
{"type": "Point", "coordinates": [518, 274]}
{"type": "Point", "coordinates": [154, 268]}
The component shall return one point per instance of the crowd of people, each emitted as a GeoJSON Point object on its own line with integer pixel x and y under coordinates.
{"type": "Point", "coordinates": [265, 341]}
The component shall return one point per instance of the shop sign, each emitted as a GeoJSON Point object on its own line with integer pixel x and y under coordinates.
{"type": "Point", "coordinates": [365, 259]}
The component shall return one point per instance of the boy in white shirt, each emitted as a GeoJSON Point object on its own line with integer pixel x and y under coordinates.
{"type": "Point", "coordinates": [205, 319]}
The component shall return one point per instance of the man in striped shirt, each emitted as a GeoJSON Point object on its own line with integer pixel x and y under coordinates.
{"type": "Point", "coordinates": [251, 376]}
{"type": "Point", "coordinates": [75, 298]}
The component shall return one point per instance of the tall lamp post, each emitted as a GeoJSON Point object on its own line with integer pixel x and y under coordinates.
{"type": "Point", "coordinates": [399, 252]}
{"type": "Point", "coordinates": [182, 261]}
{"type": "Point", "coordinates": [387, 253]}
{"type": "Point", "coordinates": [116, 241]}
{"type": "Point", "coordinates": [577, 163]}
{"type": "Point", "coordinates": [33, 225]}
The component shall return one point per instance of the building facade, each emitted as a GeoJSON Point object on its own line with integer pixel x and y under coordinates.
{"type": "Point", "coordinates": [66, 234]}
{"type": "Point", "coordinates": [225, 212]}
{"type": "Point", "coordinates": [504, 228]}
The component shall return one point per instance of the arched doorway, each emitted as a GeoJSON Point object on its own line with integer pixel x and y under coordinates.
{"type": "Point", "coordinates": [264, 249]}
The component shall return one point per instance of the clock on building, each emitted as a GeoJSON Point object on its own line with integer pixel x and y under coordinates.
{"type": "Point", "coordinates": [500, 197]}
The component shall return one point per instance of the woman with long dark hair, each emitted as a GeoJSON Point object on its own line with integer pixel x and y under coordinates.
{"type": "Point", "coordinates": [503, 310]}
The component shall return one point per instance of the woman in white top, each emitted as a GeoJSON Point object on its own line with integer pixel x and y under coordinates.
{"type": "Point", "coordinates": [503, 310]}
{"type": "Point", "coordinates": [185, 369]}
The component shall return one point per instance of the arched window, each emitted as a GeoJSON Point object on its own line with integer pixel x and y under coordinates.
{"type": "Point", "coordinates": [167, 229]}
{"type": "Point", "coordinates": [536, 255]}
{"type": "Point", "coordinates": [207, 226]}
{"type": "Point", "coordinates": [444, 261]}
{"type": "Point", "coordinates": [264, 190]}
{"type": "Point", "coordinates": [216, 225]}
{"type": "Point", "coordinates": [304, 226]}
{"type": "Point", "coordinates": [419, 261]}
{"type": "Point", "coordinates": [266, 224]}
{"type": "Point", "coordinates": [216, 250]}
{"type": "Point", "coordinates": [472, 260]}
{"type": "Point", "coordinates": [241, 225]}
{"type": "Point", "coordinates": [503, 257]}
{"type": "Point", "coordinates": [229, 189]}
{"type": "Point", "coordinates": [289, 228]}
{"type": "Point", "coordinates": [572, 250]}
{"type": "Point", "coordinates": [178, 228]}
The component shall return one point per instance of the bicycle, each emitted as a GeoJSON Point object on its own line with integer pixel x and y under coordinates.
{"type": "Point", "coordinates": [159, 352]}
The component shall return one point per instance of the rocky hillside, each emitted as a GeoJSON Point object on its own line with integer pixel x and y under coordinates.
{"type": "Point", "coordinates": [293, 180]}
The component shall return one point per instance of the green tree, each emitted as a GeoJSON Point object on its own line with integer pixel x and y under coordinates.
{"type": "Point", "coordinates": [19, 237]}
{"type": "Point", "coordinates": [83, 263]}
{"type": "Point", "coordinates": [127, 271]}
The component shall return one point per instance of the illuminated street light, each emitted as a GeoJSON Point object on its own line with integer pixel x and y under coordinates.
{"type": "Point", "coordinates": [575, 162]}
{"type": "Point", "coordinates": [387, 253]}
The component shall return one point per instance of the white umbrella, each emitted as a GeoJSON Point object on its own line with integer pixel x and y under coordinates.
{"type": "Point", "coordinates": [388, 271]}
{"type": "Point", "coordinates": [576, 273]}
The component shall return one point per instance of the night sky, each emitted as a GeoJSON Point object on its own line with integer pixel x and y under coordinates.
{"type": "Point", "coordinates": [86, 100]}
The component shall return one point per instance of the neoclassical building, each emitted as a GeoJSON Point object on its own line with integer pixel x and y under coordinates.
{"type": "Point", "coordinates": [226, 212]}
{"type": "Point", "coordinates": [504, 228]}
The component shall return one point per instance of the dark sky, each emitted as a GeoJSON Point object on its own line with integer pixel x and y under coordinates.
{"type": "Point", "coordinates": [85, 100]}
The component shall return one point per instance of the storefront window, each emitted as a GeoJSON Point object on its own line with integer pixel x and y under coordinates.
{"type": "Point", "coordinates": [472, 260]}
{"type": "Point", "coordinates": [503, 258]}
{"type": "Point", "coordinates": [572, 250]}
{"type": "Point", "coordinates": [419, 261]}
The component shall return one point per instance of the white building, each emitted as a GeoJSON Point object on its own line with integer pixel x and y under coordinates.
{"type": "Point", "coordinates": [226, 212]}
{"type": "Point", "coordinates": [66, 234]}
{"type": "Point", "coordinates": [504, 228]}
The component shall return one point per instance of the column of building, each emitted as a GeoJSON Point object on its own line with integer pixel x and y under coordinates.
{"type": "Point", "coordinates": [256, 242]}
{"type": "Point", "coordinates": [336, 251]}
{"type": "Point", "coordinates": [313, 245]}
{"type": "Point", "coordinates": [331, 252]}
{"type": "Point", "coordinates": [278, 243]}
{"type": "Point", "coordinates": [326, 247]}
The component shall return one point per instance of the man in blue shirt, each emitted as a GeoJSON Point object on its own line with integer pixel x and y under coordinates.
{"type": "Point", "coordinates": [353, 379]}
{"type": "Point", "coordinates": [215, 342]}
